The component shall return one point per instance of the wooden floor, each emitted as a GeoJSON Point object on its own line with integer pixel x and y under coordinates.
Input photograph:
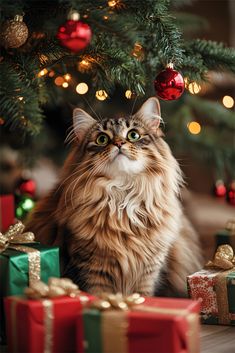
{"type": "Point", "coordinates": [214, 339]}
{"type": "Point", "coordinates": [217, 339]}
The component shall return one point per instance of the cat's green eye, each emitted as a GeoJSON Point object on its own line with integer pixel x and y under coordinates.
{"type": "Point", "coordinates": [102, 140]}
{"type": "Point", "coordinates": [133, 135]}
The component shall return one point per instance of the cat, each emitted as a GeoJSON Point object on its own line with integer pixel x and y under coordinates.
{"type": "Point", "coordinates": [116, 213]}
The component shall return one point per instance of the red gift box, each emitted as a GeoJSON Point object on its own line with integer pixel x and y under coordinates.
{"type": "Point", "coordinates": [7, 211]}
{"type": "Point", "coordinates": [47, 325]}
{"type": "Point", "coordinates": [159, 325]}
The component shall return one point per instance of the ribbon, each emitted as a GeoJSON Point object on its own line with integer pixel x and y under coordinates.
{"type": "Point", "coordinates": [56, 287]}
{"type": "Point", "coordinates": [224, 259]}
{"type": "Point", "coordinates": [114, 322]}
{"type": "Point", "coordinates": [15, 238]}
{"type": "Point", "coordinates": [117, 301]}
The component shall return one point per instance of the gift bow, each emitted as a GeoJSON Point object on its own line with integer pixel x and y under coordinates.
{"type": "Point", "coordinates": [117, 301]}
{"type": "Point", "coordinates": [223, 259]}
{"type": "Point", "coordinates": [15, 236]}
{"type": "Point", "coordinates": [56, 287]}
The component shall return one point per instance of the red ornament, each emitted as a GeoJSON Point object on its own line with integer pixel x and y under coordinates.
{"type": "Point", "coordinates": [28, 187]}
{"type": "Point", "coordinates": [231, 193]}
{"type": "Point", "coordinates": [219, 189]}
{"type": "Point", "coordinates": [74, 35]}
{"type": "Point", "coordinates": [169, 84]}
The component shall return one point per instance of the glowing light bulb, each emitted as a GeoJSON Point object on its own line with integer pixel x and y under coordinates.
{"type": "Point", "coordinates": [59, 81]}
{"type": "Point", "coordinates": [112, 3]}
{"type": "Point", "coordinates": [67, 77]}
{"type": "Point", "coordinates": [194, 127]}
{"type": "Point", "coordinates": [21, 98]}
{"type": "Point", "coordinates": [228, 101]}
{"type": "Point", "coordinates": [82, 88]}
{"type": "Point", "coordinates": [42, 72]}
{"type": "Point", "coordinates": [128, 94]}
{"type": "Point", "coordinates": [65, 85]}
{"type": "Point", "coordinates": [194, 88]}
{"type": "Point", "coordinates": [101, 95]}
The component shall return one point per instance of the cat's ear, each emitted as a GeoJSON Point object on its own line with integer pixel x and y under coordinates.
{"type": "Point", "coordinates": [82, 121]}
{"type": "Point", "coordinates": [150, 113]}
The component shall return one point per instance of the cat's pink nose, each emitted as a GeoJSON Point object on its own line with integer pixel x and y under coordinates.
{"type": "Point", "coordinates": [119, 143]}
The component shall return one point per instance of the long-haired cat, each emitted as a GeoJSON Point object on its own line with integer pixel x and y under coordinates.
{"type": "Point", "coordinates": [115, 212]}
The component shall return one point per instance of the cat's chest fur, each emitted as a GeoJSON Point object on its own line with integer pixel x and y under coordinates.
{"type": "Point", "coordinates": [121, 226]}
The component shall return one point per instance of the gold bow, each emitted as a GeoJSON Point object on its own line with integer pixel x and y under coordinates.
{"type": "Point", "coordinates": [117, 301]}
{"type": "Point", "coordinates": [223, 259]}
{"type": "Point", "coordinates": [15, 236]}
{"type": "Point", "coordinates": [56, 287]}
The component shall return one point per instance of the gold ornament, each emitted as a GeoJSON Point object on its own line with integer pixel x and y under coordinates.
{"type": "Point", "coordinates": [14, 33]}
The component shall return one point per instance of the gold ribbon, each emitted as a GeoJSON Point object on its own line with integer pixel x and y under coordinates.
{"type": "Point", "coordinates": [114, 325]}
{"type": "Point", "coordinates": [56, 287]}
{"type": "Point", "coordinates": [224, 259]}
{"type": "Point", "coordinates": [15, 238]}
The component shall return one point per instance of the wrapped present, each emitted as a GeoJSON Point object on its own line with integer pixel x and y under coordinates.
{"type": "Point", "coordinates": [22, 262]}
{"type": "Point", "coordinates": [49, 317]}
{"type": "Point", "coordinates": [227, 235]}
{"type": "Point", "coordinates": [135, 325]}
{"type": "Point", "coordinates": [7, 211]}
{"type": "Point", "coordinates": [215, 287]}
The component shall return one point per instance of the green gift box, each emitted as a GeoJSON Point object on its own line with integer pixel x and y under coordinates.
{"type": "Point", "coordinates": [15, 268]}
{"type": "Point", "coordinates": [227, 235]}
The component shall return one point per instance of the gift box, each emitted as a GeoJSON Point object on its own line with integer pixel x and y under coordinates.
{"type": "Point", "coordinates": [49, 324]}
{"type": "Point", "coordinates": [216, 291]}
{"type": "Point", "coordinates": [214, 286]}
{"type": "Point", "coordinates": [227, 235]}
{"type": "Point", "coordinates": [7, 211]}
{"type": "Point", "coordinates": [22, 263]}
{"type": "Point", "coordinates": [159, 325]}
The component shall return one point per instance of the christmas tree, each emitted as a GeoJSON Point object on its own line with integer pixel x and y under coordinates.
{"type": "Point", "coordinates": [57, 52]}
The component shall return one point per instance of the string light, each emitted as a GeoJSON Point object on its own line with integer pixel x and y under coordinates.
{"type": "Point", "coordinates": [194, 127]}
{"type": "Point", "coordinates": [105, 18]}
{"type": "Point", "coordinates": [59, 81]}
{"type": "Point", "coordinates": [194, 88]}
{"type": "Point", "coordinates": [101, 95]}
{"type": "Point", "coordinates": [82, 88]}
{"type": "Point", "coordinates": [20, 98]}
{"type": "Point", "coordinates": [65, 85]}
{"type": "Point", "coordinates": [138, 51]}
{"type": "Point", "coordinates": [228, 101]}
{"type": "Point", "coordinates": [67, 77]}
{"type": "Point", "coordinates": [116, 4]}
{"type": "Point", "coordinates": [112, 3]}
{"type": "Point", "coordinates": [128, 94]}
{"type": "Point", "coordinates": [42, 73]}
{"type": "Point", "coordinates": [84, 65]}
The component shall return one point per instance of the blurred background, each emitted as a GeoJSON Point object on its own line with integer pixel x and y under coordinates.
{"type": "Point", "coordinates": [199, 126]}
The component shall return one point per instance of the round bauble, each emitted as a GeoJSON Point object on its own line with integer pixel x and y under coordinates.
{"type": "Point", "coordinates": [219, 189]}
{"type": "Point", "coordinates": [169, 84]}
{"type": "Point", "coordinates": [14, 33]}
{"type": "Point", "coordinates": [74, 35]}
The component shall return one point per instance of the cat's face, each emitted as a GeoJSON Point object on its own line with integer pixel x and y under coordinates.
{"type": "Point", "coordinates": [119, 146]}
